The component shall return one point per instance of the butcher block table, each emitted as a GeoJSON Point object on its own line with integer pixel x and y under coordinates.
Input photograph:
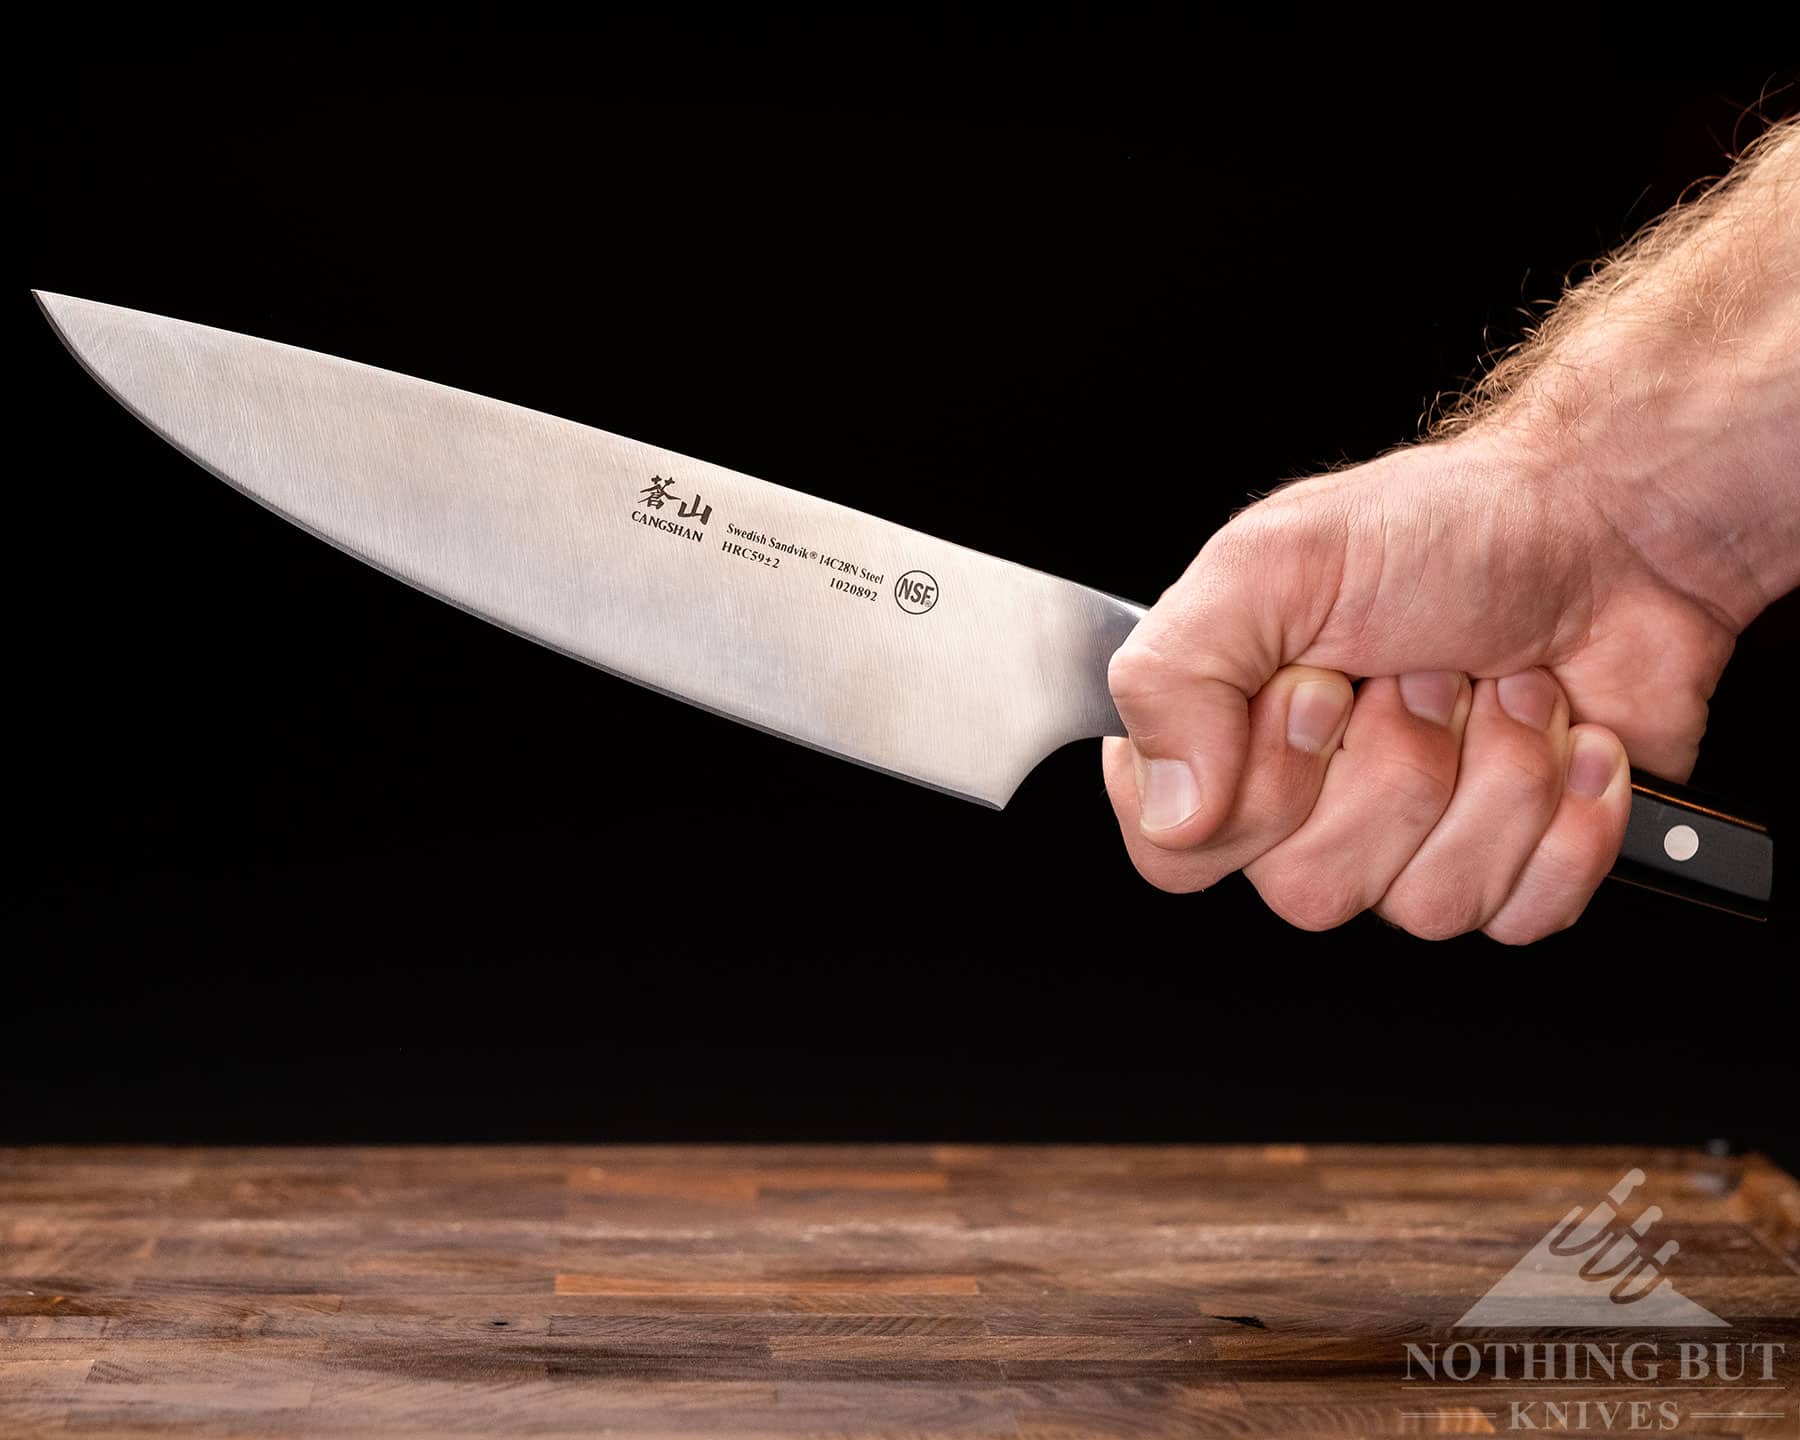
{"type": "Point", "coordinates": [918, 1291]}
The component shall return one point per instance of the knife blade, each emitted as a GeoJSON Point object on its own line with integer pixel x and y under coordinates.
{"type": "Point", "coordinates": [805, 618]}
{"type": "Point", "coordinates": [799, 616]}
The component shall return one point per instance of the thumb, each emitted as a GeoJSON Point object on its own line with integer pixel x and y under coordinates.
{"type": "Point", "coordinates": [1252, 600]}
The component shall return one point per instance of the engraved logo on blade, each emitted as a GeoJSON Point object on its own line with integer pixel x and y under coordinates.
{"type": "Point", "coordinates": [916, 591]}
{"type": "Point", "coordinates": [662, 505]}
{"type": "Point", "coordinates": [656, 496]}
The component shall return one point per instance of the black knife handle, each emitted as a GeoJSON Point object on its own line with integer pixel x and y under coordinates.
{"type": "Point", "coordinates": [1684, 843]}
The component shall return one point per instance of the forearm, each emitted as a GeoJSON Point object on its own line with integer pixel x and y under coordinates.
{"type": "Point", "coordinates": [1665, 389]}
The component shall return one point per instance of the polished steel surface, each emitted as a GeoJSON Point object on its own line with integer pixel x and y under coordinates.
{"type": "Point", "coordinates": [790, 613]}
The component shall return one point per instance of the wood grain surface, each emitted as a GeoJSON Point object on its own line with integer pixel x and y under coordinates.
{"type": "Point", "coordinates": [825, 1291]}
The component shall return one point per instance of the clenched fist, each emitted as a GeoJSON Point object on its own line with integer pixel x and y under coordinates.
{"type": "Point", "coordinates": [1531, 604]}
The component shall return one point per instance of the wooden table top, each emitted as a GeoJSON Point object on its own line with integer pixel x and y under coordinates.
{"type": "Point", "coordinates": [827, 1291]}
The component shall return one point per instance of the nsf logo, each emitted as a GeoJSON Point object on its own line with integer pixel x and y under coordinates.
{"type": "Point", "coordinates": [916, 591]}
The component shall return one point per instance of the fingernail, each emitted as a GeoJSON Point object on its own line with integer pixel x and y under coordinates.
{"type": "Point", "coordinates": [1167, 793]}
{"type": "Point", "coordinates": [1314, 710]}
{"type": "Point", "coordinates": [1593, 765]}
{"type": "Point", "coordinates": [1529, 697]}
{"type": "Point", "coordinates": [1431, 694]}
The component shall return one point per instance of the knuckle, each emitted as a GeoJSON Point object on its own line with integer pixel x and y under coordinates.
{"type": "Point", "coordinates": [1531, 768]}
{"type": "Point", "coordinates": [1551, 895]}
{"type": "Point", "coordinates": [1528, 930]}
{"type": "Point", "coordinates": [1438, 925]}
{"type": "Point", "coordinates": [1433, 912]}
{"type": "Point", "coordinates": [1527, 927]}
{"type": "Point", "coordinates": [1169, 876]}
{"type": "Point", "coordinates": [1420, 789]}
{"type": "Point", "coordinates": [1138, 672]}
{"type": "Point", "coordinates": [1513, 930]}
{"type": "Point", "coordinates": [1271, 804]}
{"type": "Point", "coordinates": [1566, 872]}
{"type": "Point", "coordinates": [1309, 897]}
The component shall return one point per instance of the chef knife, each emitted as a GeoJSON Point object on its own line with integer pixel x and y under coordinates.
{"type": "Point", "coordinates": [802, 617]}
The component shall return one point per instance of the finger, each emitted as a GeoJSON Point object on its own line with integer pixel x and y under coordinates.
{"type": "Point", "coordinates": [1293, 726]}
{"type": "Point", "coordinates": [1183, 680]}
{"type": "Point", "coordinates": [1579, 847]}
{"type": "Point", "coordinates": [1514, 758]}
{"type": "Point", "coordinates": [1386, 788]}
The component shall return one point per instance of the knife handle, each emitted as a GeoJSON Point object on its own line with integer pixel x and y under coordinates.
{"type": "Point", "coordinates": [1687, 844]}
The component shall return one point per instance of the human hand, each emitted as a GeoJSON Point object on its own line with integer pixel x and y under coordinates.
{"type": "Point", "coordinates": [1445, 806]}
{"type": "Point", "coordinates": [1587, 550]}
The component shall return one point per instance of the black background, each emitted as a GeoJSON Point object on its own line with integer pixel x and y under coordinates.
{"type": "Point", "coordinates": [311, 856]}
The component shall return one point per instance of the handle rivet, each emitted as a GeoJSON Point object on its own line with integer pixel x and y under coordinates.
{"type": "Point", "coordinates": [1682, 842]}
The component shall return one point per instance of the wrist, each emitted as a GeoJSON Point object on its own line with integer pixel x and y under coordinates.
{"type": "Point", "coordinates": [1665, 388]}
{"type": "Point", "coordinates": [1688, 452]}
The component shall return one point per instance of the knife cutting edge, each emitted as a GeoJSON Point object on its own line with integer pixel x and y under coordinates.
{"type": "Point", "coordinates": [804, 618]}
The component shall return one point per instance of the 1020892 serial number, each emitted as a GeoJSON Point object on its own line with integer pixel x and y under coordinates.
{"type": "Point", "coordinates": [861, 592]}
